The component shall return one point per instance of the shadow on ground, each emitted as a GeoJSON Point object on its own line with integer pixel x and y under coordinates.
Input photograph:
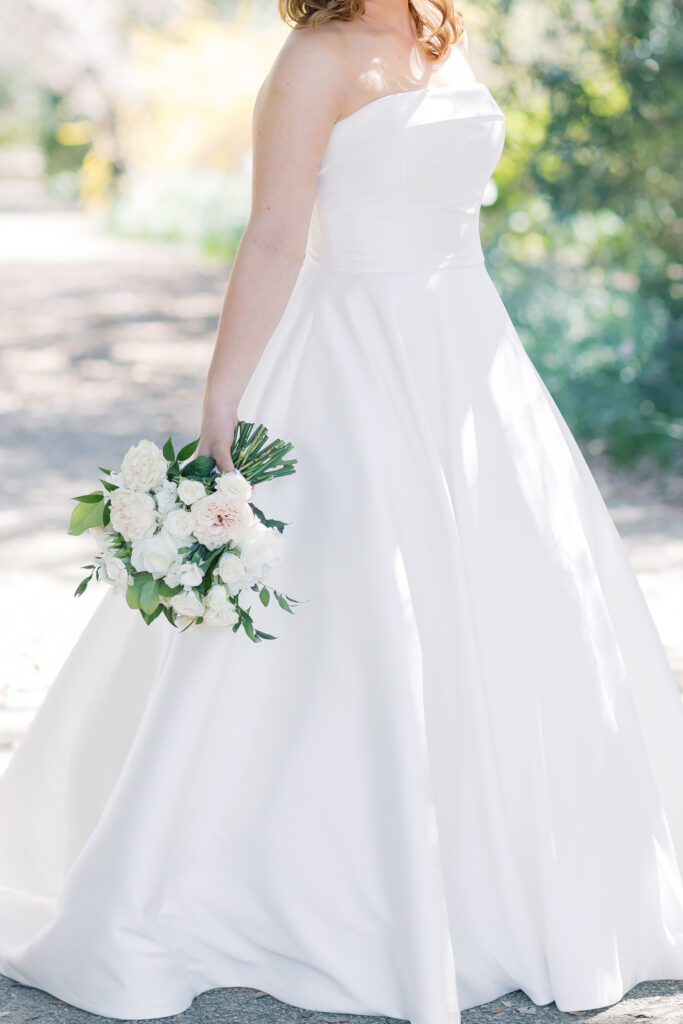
{"type": "Point", "coordinates": [661, 1002]}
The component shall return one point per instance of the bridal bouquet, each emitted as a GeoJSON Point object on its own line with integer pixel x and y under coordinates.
{"type": "Point", "coordinates": [177, 537]}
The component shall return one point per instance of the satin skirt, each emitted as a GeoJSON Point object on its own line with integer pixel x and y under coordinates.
{"type": "Point", "coordinates": [457, 771]}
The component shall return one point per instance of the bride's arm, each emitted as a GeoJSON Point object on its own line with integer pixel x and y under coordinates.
{"type": "Point", "coordinates": [293, 115]}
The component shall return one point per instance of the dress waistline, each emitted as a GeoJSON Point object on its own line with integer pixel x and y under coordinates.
{"type": "Point", "coordinates": [453, 262]}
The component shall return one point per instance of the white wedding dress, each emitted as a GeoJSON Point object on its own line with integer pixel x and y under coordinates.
{"type": "Point", "coordinates": [458, 770]}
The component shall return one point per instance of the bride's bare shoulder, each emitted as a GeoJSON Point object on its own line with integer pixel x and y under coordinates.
{"type": "Point", "coordinates": [312, 61]}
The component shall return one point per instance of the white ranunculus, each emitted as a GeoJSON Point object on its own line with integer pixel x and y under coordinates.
{"type": "Point", "coordinates": [218, 609]}
{"type": "Point", "coordinates": [186, 575]}
{"type": "Point", "coordinates": [179, 524]}
{"type": "Point", "coordinates": [187, 604]}
{"type": "Point", "coordinates": [216, 521]}
{"type": "Point", "coordinates": [233, 486]}
{"type": "Point", "coordinates": [144, 467]}
{"type": "Point", "coordinates": [190, 491]}
{"type": "Point", "coordinates": [261, 549]}
{"type": "Point", "coordinates": [166, 496]}
{"type": "Point", "coordinates": [132, 513]}
{"type": "Point", "coordinates": [231, 570]}
{"type": "Point", "coordinates": [157, 554]}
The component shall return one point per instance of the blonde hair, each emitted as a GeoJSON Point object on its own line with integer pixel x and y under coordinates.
{"type": "Point", "coordinates": [438, 23]}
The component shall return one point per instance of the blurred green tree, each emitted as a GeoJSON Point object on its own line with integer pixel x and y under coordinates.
{"type": "Point", "coordinates": [584, 238]}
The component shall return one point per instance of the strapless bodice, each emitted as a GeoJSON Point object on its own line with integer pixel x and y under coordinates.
{"type": "Point", "coordinates": [401, 181]}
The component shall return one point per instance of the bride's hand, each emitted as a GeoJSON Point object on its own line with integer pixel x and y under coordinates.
{"type": "Point", "coordinates": [216, 435]}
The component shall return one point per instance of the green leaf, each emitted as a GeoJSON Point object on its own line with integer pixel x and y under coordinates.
{"type": "Point", "coordinates": [265, 636]}
{"type": "Point", "coordinates": [211, 561]}
{"type": "Point", "coordinates": [107, 472]}
{"type": "Point", "coordinates": [282, 601]}
{"type": "Point", "coordinates": [133, 597]}
{"type": "Point", "coordinates": [199, 467]}
{"type": "Point", "coordinates": [149, 618]}
{"type": "Point", "coordinates": [149, 596]}
{"type": "Point", "coordinates": [188, 450]}
{"type": "Point", "coordinates": [91, 498]}
{"type": "Point", "coordinates": [85, 515]}
{"type": "Point", "coordinates": [109, 486]}
{"type": "Point", "coordinates": [80, 589]}
{"type": "Point", "coordinates": [267, 522]}
{"type": "Point", "coordinates": [167, 591]}
{"type": "Point", "coordinates": [168, 452]}
{"type": "Point", "coordinates": [264, 595]}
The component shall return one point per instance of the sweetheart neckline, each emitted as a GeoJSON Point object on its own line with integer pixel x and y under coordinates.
{"type": "Point", "coordinates": [411, 92]}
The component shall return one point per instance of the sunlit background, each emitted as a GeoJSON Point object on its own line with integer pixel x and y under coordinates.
{"type": "Point", "coordinates": [124, 189]}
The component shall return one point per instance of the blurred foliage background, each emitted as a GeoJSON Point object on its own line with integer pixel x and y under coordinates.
{"type": "Point", "coordinates": [140, 110]}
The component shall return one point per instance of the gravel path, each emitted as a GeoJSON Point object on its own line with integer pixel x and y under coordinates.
{"type": "Point", "coordinates": [102, 342]}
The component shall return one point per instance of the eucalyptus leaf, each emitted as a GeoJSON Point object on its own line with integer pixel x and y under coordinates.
{"type": "Point", "coordinates": [167, 591]}
{"type": "Point", "coordinates": [149, 596]}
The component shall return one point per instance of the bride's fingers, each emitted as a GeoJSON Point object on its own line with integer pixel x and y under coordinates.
{"type": "Point", "coordinates": [221, 454]}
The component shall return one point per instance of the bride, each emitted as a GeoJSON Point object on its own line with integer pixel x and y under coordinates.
{"type": "Point", "coordinates": [458, 769]}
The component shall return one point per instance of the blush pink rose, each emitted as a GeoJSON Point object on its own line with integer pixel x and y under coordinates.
{"type": "Point", "coordinates": [215, 521]}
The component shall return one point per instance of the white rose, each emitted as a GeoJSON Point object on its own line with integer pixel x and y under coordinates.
{"type": "Point", "coordinates": [167, 496]}
{"type": "Point", "coordinates": [178, 524]}
{"type": "Point", "coordinates": [157, 554]}
{"type": "Point", "coordinates": [144, 467]}
{"type": "Point", "coordinates": [132, 514]}
{"type": "Point", "coordinates": [187, 604]}
{"type": "Point", "coordinates": [218, 609]}
{"type": "Point", "coordinates": [261, 549]}
{"type": "Point", "coordinates": [186, 575]}
{"type": "Point", "coordinates": [231, 570]}
{"type": "Point", "coordinates": [114, 571]}
{"type": "Point", "coordinates": [190, 491]}
{"type": "Point", "coordinates": [217, 521]}
{"type": "Point", "coordinates": [233, 486]}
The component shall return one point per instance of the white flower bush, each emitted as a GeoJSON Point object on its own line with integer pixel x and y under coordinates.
{"type": "Point", "coordinates": [181, 539]}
